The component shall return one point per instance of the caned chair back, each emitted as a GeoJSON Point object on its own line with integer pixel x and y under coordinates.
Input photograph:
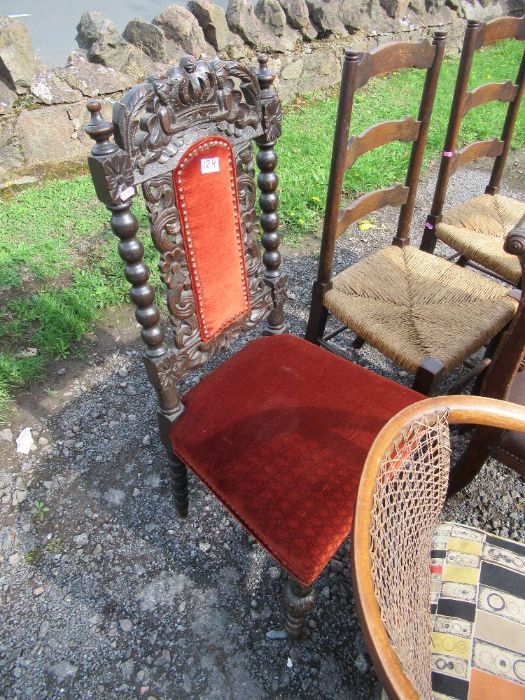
{"type": "Point", "coordinates": [401, 494]}
{"type": "Point", "coordinates": [479, 34]}
{"type": "Point", "coordinates": [187, 138]}
{"type": "Point", "coordinates": [358, 69]}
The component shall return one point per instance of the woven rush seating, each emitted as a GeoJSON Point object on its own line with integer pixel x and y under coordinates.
{"type": "Point", "coordinates": [477, 229]}
{"type": "Point", "coordinates": [411, 306]}
{"type": "Point", "coordinates": [442, 605]}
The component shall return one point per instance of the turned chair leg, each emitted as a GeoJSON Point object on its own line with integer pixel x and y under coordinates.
{"type": "Point", "coordinates": [179, 484]}
{"type": "Point", "coordinates": [298, 602]}
{"type": "Point", "coordinates": [318, 315]}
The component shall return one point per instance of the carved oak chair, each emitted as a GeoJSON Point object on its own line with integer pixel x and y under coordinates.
{"type": "Point", "coordinates": [504, 379]}
{"type": "Point", "coordinates": [278, 432]}
{"type": "Point", "coordinates": [423, 312]}
{"type": "Point", "coordinates": [440, 604]}
{"type": "Point", "coordinates": [477, 227]}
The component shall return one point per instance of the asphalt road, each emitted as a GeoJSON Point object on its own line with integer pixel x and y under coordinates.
{"type": "Point", "coordinates": [52, 24]}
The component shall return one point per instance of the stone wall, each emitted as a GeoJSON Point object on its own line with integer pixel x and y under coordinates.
{"type": "Point", "coordinates": [42, 110]}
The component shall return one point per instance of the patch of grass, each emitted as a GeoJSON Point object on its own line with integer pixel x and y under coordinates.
{"type": "Point", "coordinates": [55, 545]}
{"type": "Point", "coordinates": [61, 271]}
{"type": "Point", "coordinates": [33, 556]}
{"type": "Point", "coordinates": [305, 148]}
{"type": "Point", "coordinates": [46, 231]}
{"type": "Point", "coordinates": [59, 265]}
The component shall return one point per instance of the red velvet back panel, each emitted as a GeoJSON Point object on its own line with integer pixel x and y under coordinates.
{"type": "Point", "coordinates": [206, 191]}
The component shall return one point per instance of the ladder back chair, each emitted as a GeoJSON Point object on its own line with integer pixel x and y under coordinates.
{"type": "Point", "coordinates": [504, 379]}
{"type": "Point", "coordinates": [477, 227]}
{"type": "Point", "coordinates": [424, 313]}
{"type": "Point", "coordinates": [440, 603]}
{"type": "Point", "coordinates": [280, 430]}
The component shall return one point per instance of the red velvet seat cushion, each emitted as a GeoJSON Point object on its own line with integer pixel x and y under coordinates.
{"type": "Point", "coordinates": [280, 433]}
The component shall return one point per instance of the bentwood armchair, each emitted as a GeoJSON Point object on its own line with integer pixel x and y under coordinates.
{"type": "Point", "coordinates": [440, 603]}
{"type": "Point", "coordinates": [423, 312]}
{"type": "Point", "coordinates": [278, 432]}
{"type": "Point", "coordinates": [477, 227]}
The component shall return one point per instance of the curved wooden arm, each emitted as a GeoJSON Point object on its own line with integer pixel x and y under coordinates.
{"type": "Point", "coordinates": [461, 409]}
{"type": "Point", "coordinates": [515, 240]}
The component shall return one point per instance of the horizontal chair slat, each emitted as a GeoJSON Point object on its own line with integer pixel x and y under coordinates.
{"type": "Point", "coordinates": [503, 92]}
{"type": "Point", "coordinates": [478, 149]}
{"type": "Point", "coordinates": [501, 28]}
{"type": "Point", "coordinates": [380, 134]}
{"type": "Point", "coordinates": [392, 196]}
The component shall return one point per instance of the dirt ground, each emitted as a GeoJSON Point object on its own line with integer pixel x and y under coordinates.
{"type": "Point", "coordinates": [105, 593]}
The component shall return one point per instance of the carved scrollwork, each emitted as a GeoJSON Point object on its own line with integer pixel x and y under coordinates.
{"type": "Point", "coordinates": [189, 350]}
{"type": "Point", "coordinates": [119, 176]}
{"type": "Point", "coordinates": [272, 119]}
{"type": "Point", "coordinates": [166, 233]}
{"type": "Point", "coordinates": [159, 119]}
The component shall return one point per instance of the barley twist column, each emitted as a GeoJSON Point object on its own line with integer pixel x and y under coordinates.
{"type": "Point", "coordinates": [268, 198]}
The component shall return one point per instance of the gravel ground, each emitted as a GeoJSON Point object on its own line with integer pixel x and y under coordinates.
{"type": "Point", "coordinates": [108, 595]}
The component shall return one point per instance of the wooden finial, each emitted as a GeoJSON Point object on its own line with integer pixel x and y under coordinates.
{"type": "Point", "coordinates": [99, 129]}
{"type": "Point", "coordinates": [264, 75]}
{"type": "Point", "coordinates": [263, 60]}
{"type": "Point", "coordinates": [351, 55]}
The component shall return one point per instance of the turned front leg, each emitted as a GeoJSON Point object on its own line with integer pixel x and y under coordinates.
{"type": "Point", "coordinates": [298, 602]}
{"type": "Point", "coordinates": [179, 484]}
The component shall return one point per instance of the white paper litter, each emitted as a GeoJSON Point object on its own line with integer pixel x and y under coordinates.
{"type": "Point", "coordinates": [24, 442]}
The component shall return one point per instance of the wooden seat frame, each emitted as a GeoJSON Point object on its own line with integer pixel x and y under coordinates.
{"type": "Point", "coordinates": [461, 410]}
{"type": "Point", "coordinates": [477, 35]}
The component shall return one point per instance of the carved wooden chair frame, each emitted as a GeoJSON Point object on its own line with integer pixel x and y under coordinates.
{"type": "Point", "coordinates": [160, 128]}
{"type": "Point", "coordinates": [153, 126]}
{"type": "Point", "coordinates": [478, 35]}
